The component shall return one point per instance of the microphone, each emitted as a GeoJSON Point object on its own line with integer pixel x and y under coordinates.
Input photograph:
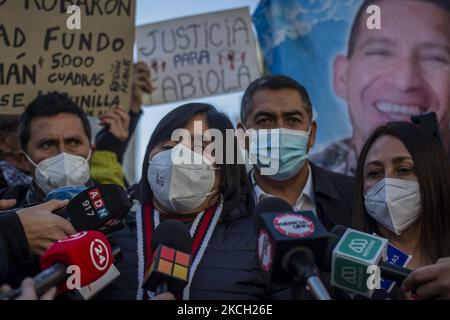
{"type": "Point", "coordinates": [349, 255]}
{"type": "Point", "coordinates": [88, 254]}
{"type": "Point", "coordinates": [99, 208]}
{"type": "Point", "coordinates": [170, 267]}
{"type": "Point", "coordinates": [290, 244]}
{"type": "Point", "coordinates": [64, 193]}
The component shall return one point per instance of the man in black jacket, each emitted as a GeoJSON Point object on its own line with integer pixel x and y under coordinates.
{"type": "Point", "coordinates": [279, 102]}
{"type": "Point", "coordinates": [282, 168]}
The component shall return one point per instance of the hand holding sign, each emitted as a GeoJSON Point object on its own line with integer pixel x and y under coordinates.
{"type": "Point", "coordinates": [118, 122]}
{"type": "Point", "coordinates": [141, 85]}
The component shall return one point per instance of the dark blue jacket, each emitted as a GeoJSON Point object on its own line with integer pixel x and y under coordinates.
{"type": "Point", "coordinates": [227, 271]}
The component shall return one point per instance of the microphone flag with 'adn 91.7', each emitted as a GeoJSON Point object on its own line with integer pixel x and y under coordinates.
{"type": "Point", "coordinates": [98, 208]}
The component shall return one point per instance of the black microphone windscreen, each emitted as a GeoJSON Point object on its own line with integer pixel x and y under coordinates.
{"type": "Point", "coordinates": [173, 234]}
{"type": "Point", "coordinates": [333, 240]}
{"type": "Point", "coordinates": [98, 207]}
{"type": "Point", "coordinates": [272, 204]}
{"type": "Point", "coordinates": [338, 230]}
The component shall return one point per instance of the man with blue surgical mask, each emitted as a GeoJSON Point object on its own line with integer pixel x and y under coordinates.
{"type": "Point", "coordinates": [277, 114]}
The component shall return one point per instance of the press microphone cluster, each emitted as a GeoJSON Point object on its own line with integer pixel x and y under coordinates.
{"type": "Point", "coordinates": [293, 244]}
{"type": "Point", "coordinates": [171, 262]}
{"type": "Point", "coordinates": [290, 244]}
{"type": "Point", "coordinates": [88, 251]}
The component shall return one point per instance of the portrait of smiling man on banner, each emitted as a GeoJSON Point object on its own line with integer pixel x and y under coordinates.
{"type": "Point", "coordinates": [391, 74]}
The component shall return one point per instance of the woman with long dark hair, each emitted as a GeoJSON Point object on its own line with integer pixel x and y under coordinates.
{"type": "Point", "coordinates": [212, 197]}
{"type": "Point", "coordinates": [402, 194]}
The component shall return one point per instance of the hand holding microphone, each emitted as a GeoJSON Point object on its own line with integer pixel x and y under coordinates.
{"type": "Point", "coordinates": [29, 291]}
{"type": "Point", "coordinates": [86, 256]}
{"type": "Point", "coordinates": [71, 209]}
{"type": "Point", "coordinates": [42, 227]}
{"type": "Point", "coordinates": [6, 204]}
{"type": "Point", "coordinates": [430, 282]}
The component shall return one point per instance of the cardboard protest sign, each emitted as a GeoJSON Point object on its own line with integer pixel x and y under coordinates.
{"type": "Point", "coordinates": [41, 52]}
{"type": "Point", "coordinates": [200, 55]}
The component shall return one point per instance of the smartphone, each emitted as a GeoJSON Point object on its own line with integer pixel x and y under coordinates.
{"type": "Point", "coordinates": [429, 122]}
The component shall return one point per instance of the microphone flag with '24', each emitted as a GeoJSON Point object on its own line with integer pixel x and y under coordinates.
{"type": "Point", "coordinates": [290, 244]}
{"type": "Point", "coordinates": [89, 252]}
{"type": "Point", "coordinates": [99, 208]}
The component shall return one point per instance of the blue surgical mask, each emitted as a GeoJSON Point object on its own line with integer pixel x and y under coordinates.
{"type": "Point", "coordinates": [279, 153]}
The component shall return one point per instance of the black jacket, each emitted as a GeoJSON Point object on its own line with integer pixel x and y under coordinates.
{"type": "Point", "coordinates": [333, 194]}
{"type": "Point", "coordinates": [228, 269]}
{"type": "Point", "coordinates": [14, 247]}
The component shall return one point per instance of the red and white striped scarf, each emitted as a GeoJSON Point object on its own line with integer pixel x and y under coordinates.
{"type": "Point", "coordinates": [148, 218]}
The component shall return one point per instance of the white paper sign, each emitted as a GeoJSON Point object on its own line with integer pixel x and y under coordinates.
{"type": "Point", "coordinates": [200, 55]}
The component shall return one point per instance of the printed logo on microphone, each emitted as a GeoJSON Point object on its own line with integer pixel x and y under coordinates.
{"type": "Point", "coordinates": [349, 274]}
{"type": "Point", "coordinates": [361, 245]}
{"type": "Point", "coordinates": [264, 251]}
{"type": "Point", "coordinates": [97, 203]}
{"type": "Point", "coordinates": [358, 245]}
{"type": "Point", "coordinates": [294, 225]}
{"type": "Point", "coordinates": [99, 254]}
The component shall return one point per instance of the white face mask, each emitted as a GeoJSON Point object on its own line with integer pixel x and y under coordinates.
{"type": "Point", "coordinates": [181, 186]}
{"type": "Point", "coordinates": [62, 170]}
{"type": "Point", "coordinates": [394, 203]}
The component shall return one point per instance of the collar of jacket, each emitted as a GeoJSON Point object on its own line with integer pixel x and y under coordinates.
{"type": "Point", "coordinates": [331, 206]}
{"type": "Point", "coordinates": [322, 183]}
